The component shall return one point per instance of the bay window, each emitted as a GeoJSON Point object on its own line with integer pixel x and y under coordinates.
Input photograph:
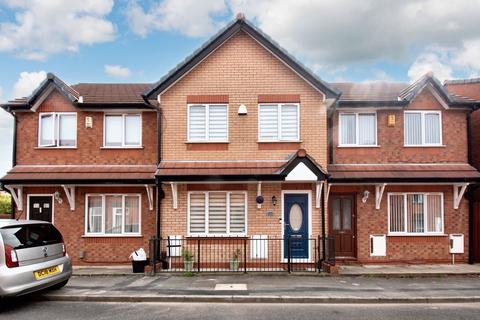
{"type": "Point", "coordinates": [123, 130]}
{"type": "Point", "coordinates": [423, 128]}
{"type": "Point", "coordinates": [217, 213]}
{"type": "Point", "coordinates": [113, 214]}
{"type": "Point", "coordinates": [357, 129]}
{"type": "Point", "coordinates": [208, 123]}
{"type": "Point", "coordinates": [279, 122]}
{"type": "Point", "coordinates": [415, 213]}
{"type": "Point", "coordinates": [57, 130]}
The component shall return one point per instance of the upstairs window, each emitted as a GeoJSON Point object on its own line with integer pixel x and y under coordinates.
{"type": "Point", "coordinates": [57, 130]}
{"type": "Point", "coordinates": [208, 123]}
{"type": "Point", "coordinates": [279, 122]}
{"type": "Point", "coordinates": [358, 129]}
{"type": "Point", "coordinates": [123, 130]}
{"type": "Point", "coordinates": [423, 128]}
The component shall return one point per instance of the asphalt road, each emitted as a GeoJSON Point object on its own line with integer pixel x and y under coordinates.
{"type": "Point", "coordinates": [24, 309]}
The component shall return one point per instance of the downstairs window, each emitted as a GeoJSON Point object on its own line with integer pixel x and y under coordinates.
{"type": "Point", "coordinates": [217, 213]}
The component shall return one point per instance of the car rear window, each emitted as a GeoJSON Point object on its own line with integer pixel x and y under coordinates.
{"type": "Point", "coordinates": [31, 235]}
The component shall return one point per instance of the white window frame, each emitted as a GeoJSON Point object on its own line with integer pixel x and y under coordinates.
{"type": "Point", "coordinates": [356, 144]}
{"type": "Point", "coordinates": [425, 232]}
{"type": "Point", "coordinates": [124, 145]}
{"type": "Point", "coordinates": [56, 131]}
{"type": "Point", "coordinates": [207, 118]}
{"type": "Point", "coordinates": [423, 144]}
{"type": "Point", "coordinates": [279, 122]}
{"type": "Point", "coordinates": [228, 233]}
{"type": "Point", "coordinates": [123, 233]}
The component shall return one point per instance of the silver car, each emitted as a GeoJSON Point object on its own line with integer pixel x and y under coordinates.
{"type": "Point", "coordinates": [32, 257]}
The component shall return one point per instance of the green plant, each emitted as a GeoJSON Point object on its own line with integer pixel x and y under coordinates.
{"type": "Point", "coordinates": [5, 204]}
{"type": "Point", "coordinates": [236, 254]}
{"type": "Point", "coordinates": [187, 255]}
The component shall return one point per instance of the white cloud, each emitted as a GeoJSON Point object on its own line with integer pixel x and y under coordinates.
{"type": "Point", "coordinates": [117, 71]}
{"type": "Point", "coordinates": [27, 82]}
{"type": "Point", "coordinates": [189, 17]}
{"type": "Point", "coordinates": [437, 62]}
{"type": "Point", "coordinates": [45, 27]}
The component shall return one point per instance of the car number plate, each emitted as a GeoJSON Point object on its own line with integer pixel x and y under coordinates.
{"type": "Point", "coordinates": [43, 273]}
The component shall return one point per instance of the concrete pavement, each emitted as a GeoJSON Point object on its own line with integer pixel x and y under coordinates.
{"type": "Point", "coordinates": [268, 289]}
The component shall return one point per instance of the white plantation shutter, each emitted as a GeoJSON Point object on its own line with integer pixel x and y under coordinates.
{"type": "Point", "coordinates": [217, 123]}
{"type": "Point", "coordinates": [268, 118]}
{"type": "Point", "coordinates": [217, 212]}
{"type": "Point", "coordinates": [197, 129]}
{"type": "Point", "coordinates": [347, 129]}
{"type": "Point", "coordinates": [366, 129]}
{"type": "Point", "coordinates": [413, 128]}
{"type": "Point", "coordinates": [237, 212]}
{"type": "Point", "coordinates": [432, 128]}
{"type": "Point", "coordinates": [197, 213]}
{"type": "Point", "coordinates": [289, 122]}
{"type": "Point", "coordinates": [132, 130]}
{"type": "Point", "coordinates": [113, 130]}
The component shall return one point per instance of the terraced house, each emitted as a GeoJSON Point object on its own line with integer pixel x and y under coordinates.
{"type": "Point", "coordinates": [241, 158]}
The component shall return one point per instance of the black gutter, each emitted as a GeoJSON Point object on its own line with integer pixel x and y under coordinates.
{"type": "Point", "coordinates": [111, 105]}
{"type": "Point", "coordinates": [371, 103]}
{"type": "Point", "coordinates": [404, 180]}
{"type": "Point", "coordinates": [77, 181]}
{"type": "Point", "coordinates": [219, 178]}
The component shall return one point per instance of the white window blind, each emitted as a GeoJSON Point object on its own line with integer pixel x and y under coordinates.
{"type": "Point", "coordinates": [415, 213]}
{"type": "Point", "coordinates": [278, 122]}
{"type": "Point", "coordinates": [197, 212]}
{"type": "Point", "coordinates": [57, 130]}
{"type": "Point", "coordinates": [123, 130]}
{"type": "Point", "coordinates": [208, 123]}
{"type": "Point", "coordinates": [358, 129]}
{"type": "Point", "coordinates": [94, 214]}
{"type": "Point", "coordinates": [422, 128]}
{"type": "Point", "coordinates": [217, 213]}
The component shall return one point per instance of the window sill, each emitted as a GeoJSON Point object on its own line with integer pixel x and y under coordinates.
{"type": "Point", "coordinates": [112, 236]}
{"type": "Point", "coordinates": [426, 146]}
{"type": "Point", "coordinates": [123, 147]}
{"type": "Point", "coordinates": [358, 146]}
{"type": "Point", "coordinates": [204, 142]}
{"type": "Point", "coordinates": [217, 236]}
{"type": "Point", "coordinates": [279, 141]}
{"type": "Point", "coordinates": [417, 235]}
{"type": "Point", "coordinates": [54, 148]}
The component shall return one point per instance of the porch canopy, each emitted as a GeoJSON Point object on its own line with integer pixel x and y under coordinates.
{"type": "Point", "coordinates": [67, 177]}
{"type": "Point", "coordinates": [459, 176]}
{"type": "Point", "coordinates": [298, 167]}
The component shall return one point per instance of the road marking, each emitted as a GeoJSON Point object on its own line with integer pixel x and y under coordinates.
{"type": "Point", "coordinates": [231, 286]}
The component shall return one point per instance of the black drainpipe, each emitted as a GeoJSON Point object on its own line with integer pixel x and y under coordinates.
{"type": "Point", "coordinates": [470, 192]}
{"type": "Point", "coordinates": [160, 193]}
{"type": "Point", "coordinates": [322, 197]}
{"type": "Point", "coordinates": [14, 154]}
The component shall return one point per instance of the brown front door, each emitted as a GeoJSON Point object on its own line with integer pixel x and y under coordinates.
{"type": "Point", "coordinates": [342, 225]}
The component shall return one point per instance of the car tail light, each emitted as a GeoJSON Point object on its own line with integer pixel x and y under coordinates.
{"type": "Point", "coordinates": [64, 249]}
{"type": "Point", "coordinates": [11, 259]}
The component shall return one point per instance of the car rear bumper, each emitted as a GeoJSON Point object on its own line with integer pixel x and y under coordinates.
{"type": "Point", "coordinates": [21, 280]}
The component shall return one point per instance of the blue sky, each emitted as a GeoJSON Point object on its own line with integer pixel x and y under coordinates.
{"type": "Point", "coordinates": [139, 41]}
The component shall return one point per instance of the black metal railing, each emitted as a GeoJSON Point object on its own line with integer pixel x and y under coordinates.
{"type": "Point", "coordinates": [242, 254]}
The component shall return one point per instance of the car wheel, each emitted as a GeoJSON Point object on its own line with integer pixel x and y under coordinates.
{"type": "Point", "coordinates": [59, 285]}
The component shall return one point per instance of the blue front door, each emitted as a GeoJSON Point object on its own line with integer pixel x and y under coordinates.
{"type": "Point", "coordinates": [295, 217]}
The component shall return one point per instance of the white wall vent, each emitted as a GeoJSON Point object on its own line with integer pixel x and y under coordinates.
{"type": "Point", "coordinates": [378, 245]}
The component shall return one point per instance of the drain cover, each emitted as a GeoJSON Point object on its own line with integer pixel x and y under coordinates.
{"type": "Point", "coordinates": [231, 286]}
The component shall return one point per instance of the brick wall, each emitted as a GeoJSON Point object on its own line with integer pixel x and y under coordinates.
{"type": "Point", "coordinates": [391, 139]}
{"type": "Point", "coordinates": [89, 141]}
{"type": "Point", "coordinates": [98, 250]}
{"type": "Point", "coordinates": [243, 70]}
{"type": "Point", "coordinates": [411, 249]}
